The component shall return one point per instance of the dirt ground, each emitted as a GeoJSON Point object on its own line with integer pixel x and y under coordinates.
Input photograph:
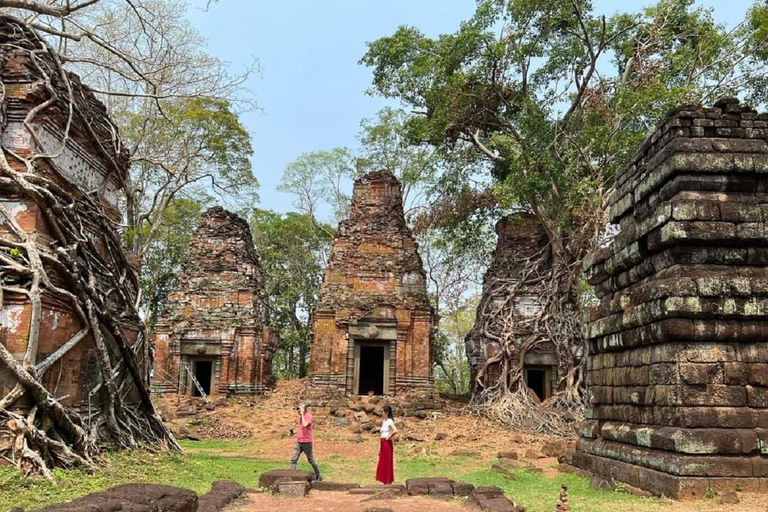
{"type": "Point", "coordinates": [336, 501]}
{"type": "Point", "coordinates": [265, 421]}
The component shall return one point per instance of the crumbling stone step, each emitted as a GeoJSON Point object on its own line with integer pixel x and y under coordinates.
{"type": "Point", "coordinates": [270, 479]}
{"type": "Point", "coordinates": [295, 489]}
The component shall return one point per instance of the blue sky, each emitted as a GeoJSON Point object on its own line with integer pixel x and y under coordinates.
{"type": "Point", "coordinates": [312, 89]}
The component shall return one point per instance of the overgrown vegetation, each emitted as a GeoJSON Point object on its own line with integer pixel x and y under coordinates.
{"type": "Point", "coordinates": [554, 97]}
{"type": "Point", "coordinates": [202, 464]}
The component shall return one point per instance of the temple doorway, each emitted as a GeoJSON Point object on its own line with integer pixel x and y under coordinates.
{"type": "Point", "coordinates": [539, 380]}
{"type": "Point", "coordinates": [203, 373]}
{"type": "Point", "coordinates": [371, 368]}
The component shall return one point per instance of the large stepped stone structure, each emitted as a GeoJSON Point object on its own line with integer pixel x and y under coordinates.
{"type": "Point", "coordinates": [216, 326]}
{"type": "Point", "coordinates": [678, 365]}
{"type": "Point", "coordinates": [372, 326]}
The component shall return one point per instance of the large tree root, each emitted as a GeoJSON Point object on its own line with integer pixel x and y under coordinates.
{"type": "Point", "coordinates": [96, 283]}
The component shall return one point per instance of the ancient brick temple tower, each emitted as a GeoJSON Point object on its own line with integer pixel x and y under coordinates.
{"type": "Point", "coordinates": [521, 237]}
{"type": "Point", "coordinates": [678, 365]}
{"type": "Point", "coordinates": [215, 326]}
{"type": "Point", "coordinates": [372, 324]}
{"type": "Point", "coordinates": [88, 157]}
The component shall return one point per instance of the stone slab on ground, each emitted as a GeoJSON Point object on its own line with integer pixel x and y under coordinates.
{"type": "Point", "coordinates": [462, 489]}
{"type": "Point", "coordinates": [269, 479]}
{"type": "Point", "coordinates": [324, 485]}
{"type": "Point", "coordinates": [441, 490]}
{"type": "Point", "coordinates": [420, 486]}
{"type": "Point", "coordinates": [491, 499]}
{"type": "Point", "coordinates": [133, 497]}
{"type": "Point", "coordinates": [375, 489]}
{"type": "Point", "coordinates": [222, 493]}
{"type": "Point", "coordinates": [294, 489]}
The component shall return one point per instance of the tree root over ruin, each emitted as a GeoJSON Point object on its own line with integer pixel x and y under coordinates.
{"type": "Point", "coordinates": [79, 263]}
{"type": "Point", "coordinates": [500, 392]}
{"type": "Point", "coordinates": [519, 411]}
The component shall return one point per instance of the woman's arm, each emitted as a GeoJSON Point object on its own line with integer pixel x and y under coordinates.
{"type": "Point", "coordinates": [393, 433]}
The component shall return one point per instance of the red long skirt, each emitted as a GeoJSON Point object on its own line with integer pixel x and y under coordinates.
{"type": "Point", "coordinates": [385, 471]}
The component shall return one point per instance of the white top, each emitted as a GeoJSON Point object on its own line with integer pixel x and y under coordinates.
{"type": "Point", "coordinates": [386, 428]}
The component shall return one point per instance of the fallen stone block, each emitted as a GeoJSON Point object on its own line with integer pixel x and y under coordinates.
{"type": "Point", "coordinates": [534, 454]}
{"type": "Point", "coordinates": [440, 490]}
{"type": "Point", "coordinates": [729, 498]}
{"type": "Point", "coordinates": [332, 486]}
{"type": "Point", "coordinates": [462, 489]}
{"type": "Point", "coordinates": [420, 486]}
{"type": "Point", "coordinates": [133, 497]}
{"type": "Point", "coordinates": [222, 493]}
{"type": "Point", "coordinates": [268, 479]}
{"type": "Point", "coordinates": [295, 489]}
{"type": "Point", "coordinates": [507, 455]}
{"type": "Point", "coordinates": [499, 504]}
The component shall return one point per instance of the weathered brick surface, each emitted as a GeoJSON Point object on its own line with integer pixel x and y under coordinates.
{"type": "Point", "coordinates": [374, 289]}
{"type": "Point", "coordinates": [218, 311]}
{"type": "Point", "coordinates": [677, 394]}
{"type": "Point", "coordinates": [521, 238]}
{"type": "Point", "coordinates": [81, 163]}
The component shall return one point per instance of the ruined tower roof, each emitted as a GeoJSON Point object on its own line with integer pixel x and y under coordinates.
{"type": "Point", "coordinates": [92, 126]}
{"type": "Point", "coordinates": [374, 259]}
{"type": "Point", "coordinates": [221, 284]}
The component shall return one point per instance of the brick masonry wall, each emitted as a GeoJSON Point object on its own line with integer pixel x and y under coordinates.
{"type": "Point", "coordinates": [87, 166]}
{"type": "Point", "coordinates": [520, 237]}
{"type": "Point", "coordinates": [218, 310]}
{"type": "Point", "coordinates": [374, 276]}
{"type": "Point", "coordinates": [678, 367]}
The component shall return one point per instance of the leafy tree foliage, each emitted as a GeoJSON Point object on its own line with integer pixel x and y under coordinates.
{"type": "Point", "coordinates": [293, 250]}
{"type": "Point", "coordinates": [555, 98]}
{"type": "Point", "coordinates": [320, 180]}
{"type": "Point", "coordinates": [165, 255]}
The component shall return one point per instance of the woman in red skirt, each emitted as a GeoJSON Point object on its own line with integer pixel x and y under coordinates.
{"type": "Point", "coordinates": [385, 471]}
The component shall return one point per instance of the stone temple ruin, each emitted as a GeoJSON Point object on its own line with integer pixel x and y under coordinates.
{"type": "Point", "coordinates": [78, 164]}
{"type": "Point", "coordinates": [214, 336]}
{"type": "Point", "coordinates": [678, 366]}
{"type": "Point", "coordinates": [505, 305]}
{"type": "Point", "coordinates": [372, 326]}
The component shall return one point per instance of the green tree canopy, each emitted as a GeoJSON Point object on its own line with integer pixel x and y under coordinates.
{"type": "Point", "coordinates": [554, 98]}
{"type": "Point", "coordinates": [293, 250]}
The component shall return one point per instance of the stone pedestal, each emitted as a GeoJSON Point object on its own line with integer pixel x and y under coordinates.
{"type": "Point", "coordinates": [678, 366]}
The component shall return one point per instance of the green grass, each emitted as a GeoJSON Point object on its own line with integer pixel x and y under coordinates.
{"type": "Point", "coordinates": [207, 461]}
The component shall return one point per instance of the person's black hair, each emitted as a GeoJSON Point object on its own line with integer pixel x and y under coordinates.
{"type": "Point", "coordinates": [388, 410]}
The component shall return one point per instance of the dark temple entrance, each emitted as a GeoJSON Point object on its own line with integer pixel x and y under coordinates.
{"type": "Point", "coordinates": [203, 372]}
{"type": "Point", "coordinates": [371, 370]}
{"type": "Point", "coordinates": [539, 380]}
